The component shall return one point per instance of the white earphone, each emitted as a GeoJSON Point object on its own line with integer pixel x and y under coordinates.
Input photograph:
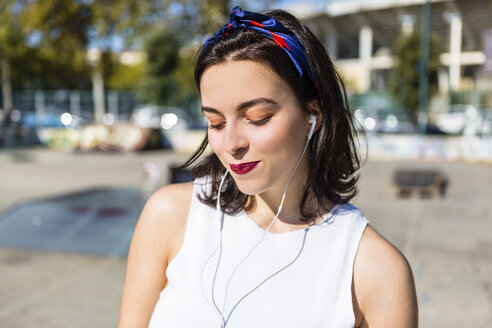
{"type": "Point", "coordinates": [312, 121]}
{"type": "Point", "coordinates": [225, 318]}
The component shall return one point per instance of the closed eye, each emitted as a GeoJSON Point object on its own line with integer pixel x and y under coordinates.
{"type": "Point", "coordinates": [252, 122]}
{"type": "Point", "coordinates": [260, 122]}
{"type": "Point", "coordinates": [216, 126]}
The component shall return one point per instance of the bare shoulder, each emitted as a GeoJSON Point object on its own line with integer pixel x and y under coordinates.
{"type": "Point", "coordinates": [157, 238]}
{"type": "Point", "coordinates": [165, 214]}
{"type": "Point", "coordinates": [169, 200]}
{"type": "Point", "coordinates": [384, 287]}
{"type": "Point", "coordinates": [377, 256]}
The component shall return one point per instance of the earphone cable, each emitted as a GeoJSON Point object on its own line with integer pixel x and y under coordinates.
{"type": "Point", "coordinates": [269, 277]}
{"type": "Point", "coordinates": [220, 217]}
{"type": "Point", "coordinates": [273, 221]}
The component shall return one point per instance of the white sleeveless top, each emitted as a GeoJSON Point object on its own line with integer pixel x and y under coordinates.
{"type": "Point", "coordinates": [295, 279]}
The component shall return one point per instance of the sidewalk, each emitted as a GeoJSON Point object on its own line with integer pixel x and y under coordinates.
{"type": "Point", "coordinates": [49, 289]}
{"type": "Point", "coordinates": [447, 241]}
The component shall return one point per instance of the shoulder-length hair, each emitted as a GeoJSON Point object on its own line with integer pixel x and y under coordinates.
{"type": "Point", "coordinates": [333, 157]}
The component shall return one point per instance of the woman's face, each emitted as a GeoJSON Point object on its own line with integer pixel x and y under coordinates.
{"type": "Point", "coordinates": [256, 125]}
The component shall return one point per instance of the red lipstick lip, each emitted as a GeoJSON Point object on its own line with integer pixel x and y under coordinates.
{"type": "Point", "coordinates": [243, 168]}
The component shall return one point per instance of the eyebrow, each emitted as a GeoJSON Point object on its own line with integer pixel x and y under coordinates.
{"type": "Point", "coordinates": [244, 105]}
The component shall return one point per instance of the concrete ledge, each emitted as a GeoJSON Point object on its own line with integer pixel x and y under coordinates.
{"type": "Point", "coordinates": [434, 148]}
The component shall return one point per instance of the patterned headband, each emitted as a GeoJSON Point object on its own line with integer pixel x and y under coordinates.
{"type": "Point", "coordinates": [272, 29]}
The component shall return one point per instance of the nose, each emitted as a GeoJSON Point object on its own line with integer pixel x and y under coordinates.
{"type": "Point", "coordinates": [235, 140]}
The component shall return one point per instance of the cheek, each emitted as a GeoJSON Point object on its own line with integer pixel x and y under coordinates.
{"type": "Point", "coordinates": [214, 142]}
{"type": "Point", "coordinates": [279, 138]}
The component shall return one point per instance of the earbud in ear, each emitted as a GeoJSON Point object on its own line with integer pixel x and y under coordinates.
{"type": "Point", "coordinates": [312, 121]}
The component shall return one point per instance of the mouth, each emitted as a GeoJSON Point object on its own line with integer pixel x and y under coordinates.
{"type": "Point", "coordinates": [243, 168]}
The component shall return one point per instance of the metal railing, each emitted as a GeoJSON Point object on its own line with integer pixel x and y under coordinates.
{"type": "Point", "coordinates": [76, 102]}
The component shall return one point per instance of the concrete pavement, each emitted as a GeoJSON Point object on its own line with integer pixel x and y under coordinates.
{"type": "Point", "coordinates": [447, 242]}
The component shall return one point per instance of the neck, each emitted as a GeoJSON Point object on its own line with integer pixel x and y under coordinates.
{"type": "Point", "coordinates": [263, 207]}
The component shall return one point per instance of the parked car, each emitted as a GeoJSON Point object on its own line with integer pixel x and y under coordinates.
{"type": "Point", "coordinates": [460, 119]}
{"type": "Point", "coordinates": [53, 118]}
{"type": "Point", "coordinates": [383, 121]}
{"type": "Point", "coordinates": [163, 117]}
{"type": "Point", "coordinates": [366, 119]}
{"type": "Point", "coordinates": [396, 122]}
{"type": "Point", "coordinates": [13, 133]}
{"type": "Point", "coordinates": [486, 126]}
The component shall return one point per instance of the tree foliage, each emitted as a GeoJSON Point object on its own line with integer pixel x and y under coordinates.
{"type": "Point", "coordinates": [159, 85]}
{"type": "Point", "coordinates": [125, 77]}
{"type": "Point", "coordinates": [45, 42]}
{"type": "Point", "coordinates": [405, 77]}
{"type": "Point", "coordinates": [11, 46]}
{"type": "Point", "coordinates": [172, 48]}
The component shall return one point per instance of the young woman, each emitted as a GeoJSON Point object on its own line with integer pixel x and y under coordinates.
{"type": "Point", "coordinates": [265, 235]}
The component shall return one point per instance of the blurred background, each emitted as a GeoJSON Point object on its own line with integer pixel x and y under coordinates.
{"type": "Point", "coordinates": [98, 107]}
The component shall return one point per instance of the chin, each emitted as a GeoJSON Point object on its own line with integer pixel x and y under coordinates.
{"type": "Point", "coordinates": [249, 187]}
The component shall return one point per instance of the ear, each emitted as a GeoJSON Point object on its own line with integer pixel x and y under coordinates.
{"type": "Point", "coordinates": [314, 108]}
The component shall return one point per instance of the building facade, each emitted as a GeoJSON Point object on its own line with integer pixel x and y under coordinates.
{"type": "Point", "coordinates": [359, 35]}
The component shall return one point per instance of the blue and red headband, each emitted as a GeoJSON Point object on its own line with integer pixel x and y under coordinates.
{"type": "Point", "coordinates": [272, 29]}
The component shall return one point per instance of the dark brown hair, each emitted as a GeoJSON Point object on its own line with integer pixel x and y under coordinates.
{"type": "Point", "coordinates": [333, 157]}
